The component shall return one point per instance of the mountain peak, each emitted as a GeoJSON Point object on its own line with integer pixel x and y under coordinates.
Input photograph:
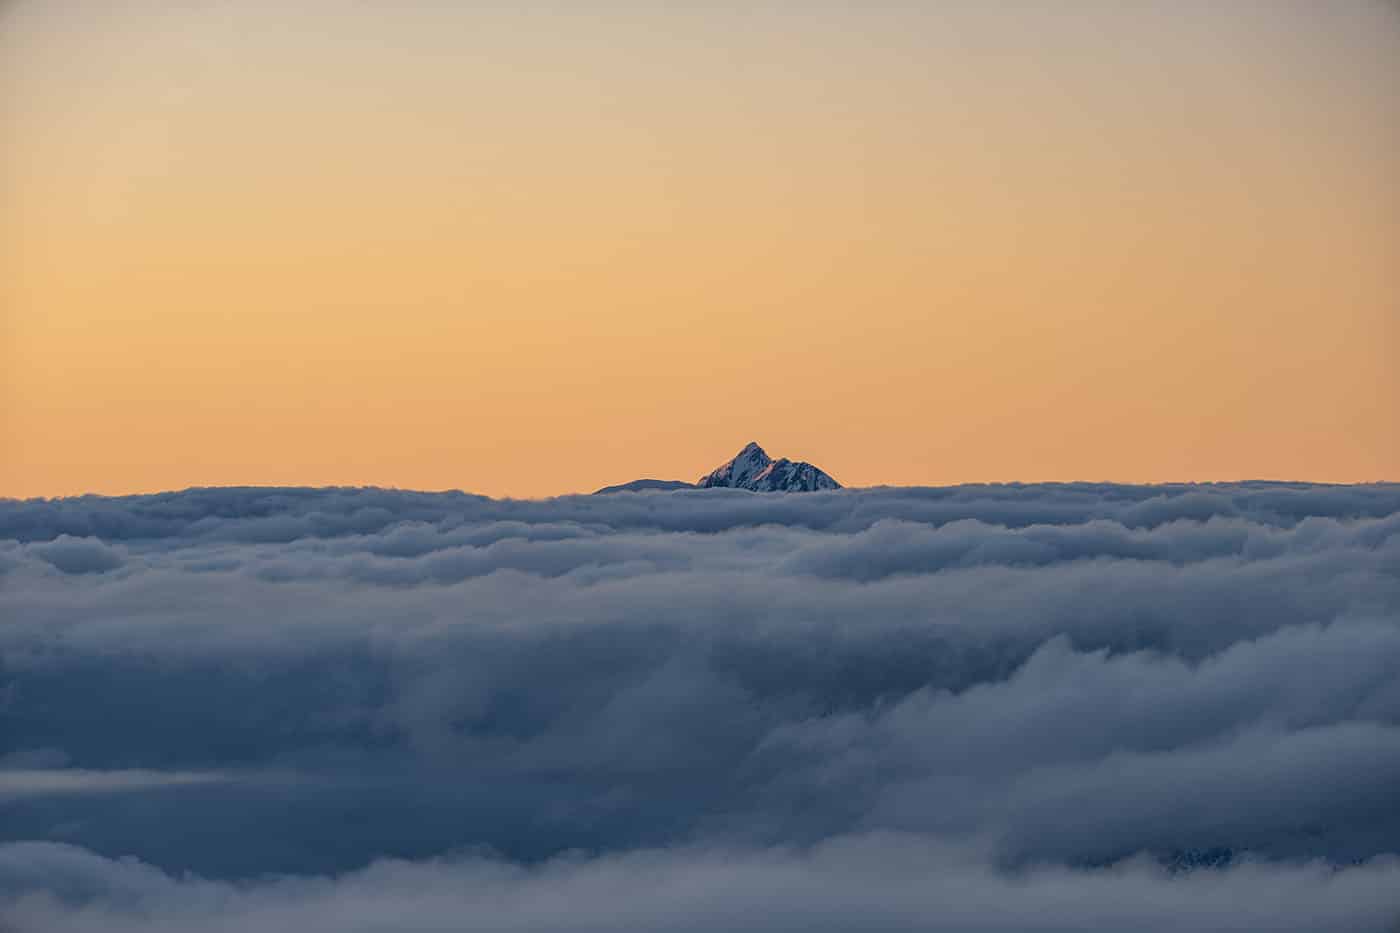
{"type": "Point", "coordinates": [753, 469]}
{"type": "Point", "coordinates": [739, 471]}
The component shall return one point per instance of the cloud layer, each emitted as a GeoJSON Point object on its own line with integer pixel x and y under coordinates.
{"type": "Point", "coordinates": [1005, 707]}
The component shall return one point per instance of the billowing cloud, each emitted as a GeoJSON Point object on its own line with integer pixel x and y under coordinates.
{"type": "Point", "coordinates": [79, 555]}
{"type": "Point", "coordinates": [874, 882]}
{"type": "Point", "coordinates": [1020, 707]}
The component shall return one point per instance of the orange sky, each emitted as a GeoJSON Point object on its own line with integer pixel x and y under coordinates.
{"type": "Point", "coordinates": [533, 249]}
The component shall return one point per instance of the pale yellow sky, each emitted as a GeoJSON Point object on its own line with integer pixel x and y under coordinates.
{"type": "Point", "coordinates": [531, 249]}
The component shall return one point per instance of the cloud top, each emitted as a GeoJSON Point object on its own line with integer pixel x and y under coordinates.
{"type": "Point", "coordinates": [993, 707]}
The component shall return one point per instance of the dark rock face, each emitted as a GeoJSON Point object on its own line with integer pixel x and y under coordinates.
{"type": "Point", "coordinates": [642, 485]}
{"type": "Point", "coordinates": [788, 476]}
{"type": "Point", "coordinates": [753, 469]}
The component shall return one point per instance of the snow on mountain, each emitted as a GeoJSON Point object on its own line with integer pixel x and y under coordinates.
{"type": "Point", "coordinates": [753, 469]}
{"type": "Point", "coordinates": [784, 475]}
{"type": "Point", "coordinates": [739, 472]}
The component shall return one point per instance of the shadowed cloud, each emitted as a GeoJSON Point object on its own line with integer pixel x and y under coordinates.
{"type": "Point", "coordinates": [986, 707]}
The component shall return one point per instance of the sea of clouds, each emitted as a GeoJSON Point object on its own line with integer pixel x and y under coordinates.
{"type": "Point", "coordinates": [992, 708]}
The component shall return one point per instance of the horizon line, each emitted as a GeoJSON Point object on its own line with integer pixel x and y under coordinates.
{"type": "Point", "coordinates": [306, 487]}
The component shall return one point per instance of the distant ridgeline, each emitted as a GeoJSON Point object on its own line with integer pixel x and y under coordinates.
{"type": "Point", "coordinates": [752, 469]}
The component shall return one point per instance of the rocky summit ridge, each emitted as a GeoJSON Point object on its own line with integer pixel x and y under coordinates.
{"type": "Point", "coordinates": [752, 469]}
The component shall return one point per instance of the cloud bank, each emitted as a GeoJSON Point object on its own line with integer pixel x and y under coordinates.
{"type": "Point", "coordinates": [1003, 708]}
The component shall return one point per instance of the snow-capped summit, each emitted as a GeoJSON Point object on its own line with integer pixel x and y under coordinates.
{"type": "Point", "coordinates": [753, 469]}
{"type": "Point", "coordinates": [741, 470]}
{"type": "Point", "coordinates": [750, 469]}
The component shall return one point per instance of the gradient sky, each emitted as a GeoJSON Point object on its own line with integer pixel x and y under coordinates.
{"type": "Point", "coordinates": [531, 249]}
